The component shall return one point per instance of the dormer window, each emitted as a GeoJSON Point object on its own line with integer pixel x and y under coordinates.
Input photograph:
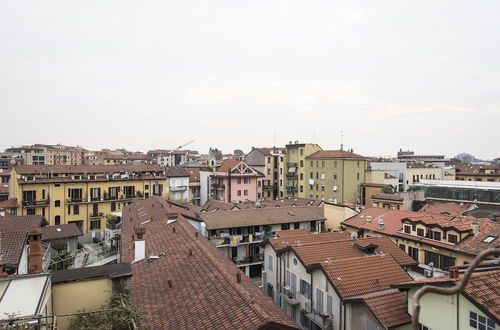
{"type": "Point", "coordinates": [407, 229]}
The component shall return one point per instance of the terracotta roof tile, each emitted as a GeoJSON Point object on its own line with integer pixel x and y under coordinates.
{"type": "Point", "coordinates": [444, 207]}
{"type": "Point", "coordinates": [9, 203]}
{"type": "Point", "coordinates": [356, 276]}
{"type": "Point", "coordinates": [389, 307]}
{"type": "Point", "coordinates": [203, 291]}
{"type": "Point", "coordinates": [254, 217]}
{"type": "Point", "coordinates": [61, 231]}
{"type": "Point", "coordinates": [389, 197]}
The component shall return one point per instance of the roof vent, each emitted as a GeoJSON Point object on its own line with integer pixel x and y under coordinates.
{"type": "Point", "coordinates": [153, 258]}
{"type": "Point", "coordinates": [169, 283]}
{"type": "Point", "coordinates": [291, 213]}
{"type": "Point", "coordinates": [238, 277]}
{"type": "Point", "coordinates": [381, 224]}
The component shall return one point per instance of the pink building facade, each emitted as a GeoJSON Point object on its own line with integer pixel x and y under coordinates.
{"type": "Point", "coordinates": [235, 181]}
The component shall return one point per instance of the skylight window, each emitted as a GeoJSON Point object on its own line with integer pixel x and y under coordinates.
{"type": "Point", "coordinates": [489, 238]}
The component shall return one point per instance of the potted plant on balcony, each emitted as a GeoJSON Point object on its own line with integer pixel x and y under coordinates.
{"type": "Point", "coordinates": [112, 221]}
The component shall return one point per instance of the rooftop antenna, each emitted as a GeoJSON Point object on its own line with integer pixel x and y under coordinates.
{"type": "Point", "coordinates": [341, 140]}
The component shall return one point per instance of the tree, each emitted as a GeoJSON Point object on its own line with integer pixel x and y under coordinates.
{"type": "Point", "coordinates": [119, 314]}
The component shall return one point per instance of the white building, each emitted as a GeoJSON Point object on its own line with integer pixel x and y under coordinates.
{"type": "Point", "coordinates": [177, 184]}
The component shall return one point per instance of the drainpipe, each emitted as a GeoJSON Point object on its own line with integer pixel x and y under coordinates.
{"type": "Point", "coordinates": [458, 308]}
{"type": "Point", "coordinates": [311, 298]}
{"type": "Point", "coordinates": [344, 318]}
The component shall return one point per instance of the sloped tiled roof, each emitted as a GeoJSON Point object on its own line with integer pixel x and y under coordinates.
{"type": "Point", "coordinates": [355, 276]}
{"type": "Point", "coordinates": [14, 234]}
{"type": "Point", "coordinates": [192, 285]}
{"type": "Point", "coordinates": [389, 197]}
{"type": "Point", "coordinates": [444, 207]}
{"type": "Point", "coordinates": [176, 171]}
{"type": "Point", "coordinates": [61, 231]}
{"type": "Point", "coordinates": [334, 154]}
{"type": "Point", "coordinates": [368, 219]}
{"type": "Point", "coordinates": [389, 307]}
{"type": "Point", "coordinates": [9, 203]}
{"type": "Point", "coordinates": [255, 217]}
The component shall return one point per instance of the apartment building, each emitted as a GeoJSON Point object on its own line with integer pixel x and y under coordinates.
{"type": "Point", "coordinates": [476, 172]}
{"type": "Point", "coordinates": [237, 234]}
{"type": "Point", "coordinates": [31, 155]}
{"type": "Point", "coordinates": [441, 239]}
{"type": "Point", "coordinates": [177, 184]}
{"type": "Point", "coordinates": [168, 157]}
{"type": "Point", "coordinates": [475, 307]}
{"type": "Point", "coordinates": [82, 194]}
{"type": "Point", "coordinates": [194, 185]}
{"type": "Point", "coordinates": [296, 175]}
{"type": "Point", "coordinates": [318, 279]}
{"type": "Point", "coordinates": [181, 281]}
{"type": "Point", "coordinates": [45, 154]}
{"type": "Point", "coordinates": [334, 176]}
{"type": "Point", "coordinates": [234, 181]}
{"type": "Point", "coordinates": [271, 163]}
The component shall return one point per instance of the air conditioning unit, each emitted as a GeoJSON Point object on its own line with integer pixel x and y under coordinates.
{"type": "Point", "coordinates": [427, 273]}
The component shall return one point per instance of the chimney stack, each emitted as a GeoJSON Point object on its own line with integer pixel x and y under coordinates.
{"type": "Point", "coordinates": [35, 251]}
{"type": "Point", "coordinates": [139, 243]}
{"type": "Point", "coordinates": [475, 228]}
{"type": "Point", "coordinates": [453, 273]}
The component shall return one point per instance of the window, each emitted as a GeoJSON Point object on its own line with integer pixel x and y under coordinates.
{"type": "Point", "coordinates": [335, 163]}
{"type": "Point", "coordinates": [245, 192]}
{"type": "Point", "coordinates": [323, 176]}
{"type": "Point", "coordinates": [238, 181]}
{"type": "Point", "coordinates": [302, 176]}
{"type": "Point", "coordinates": [113, 206]}
{"type": "Point", "coordinates": [413, 252]}
{"type": "Point", "coordinates": [95, 194]}
{"type": "Point", "coordinates": [238, 192]}
{"type": "Point", "coordinates": [402, 247]}
{"type": "Point", "coordinates": [270, 262]}
{"type": "Point", "coordinates": [301, 163]}
{"type": "Point", "coordinates": [477, 321]}
{"type": "Point", "coordinates": [301, 188]}
{"type": "Point", "coordinates": [302, 152]}
{"type": "Point", "coordinates": [57, 203]}
{"type": "Point", "coordinates": [322, 187]}
{"type": "Point", "coordinates": [335, 188]}
{"type": "Point", "coordinates": [320, 300]}
{"type": "Point", "coordinates": [95, 224]}
{"type": "Point", "coordinates": [29, 195]}
{"type": "Point", "coordinates": [312, 163]}
{"type": "Point", "coordinates": [420, 232]}
{"type": "Point", "coordinates": [296, 225]}
{"type": "Point", "coordinates": [489, 238]}
{"type": "Point", "coordinates": [329, 305]}
{"type": "Point", "coordinates": [407, 229]}
{"type": "Point", "coordinates": [30, 211]}
{"type": "Point", "coordinates": [75, 195]}
{"type": "Point", "coordinates": [358, 175]}
{"type": "Point", "coordinates": [305, 289]}
{"type": "Point", "coordinates": [69, 209]}
{"type": "Point", "coordinates": [76, 209]}
{"type": "Point", "coordinates": [146, 187]}
{"type": "Point", "coordinates": [334, 176]}
{"type": "Point", "coordinates": [317, 175]}
{"type": "Point", "coordinates": [437, 235]}
{"type": "Point", "coordinates": [57, 220]}
{"type": "Point", "coordinates": [285, 226]}
{"type": "Point", "coordinates": [452, 238]}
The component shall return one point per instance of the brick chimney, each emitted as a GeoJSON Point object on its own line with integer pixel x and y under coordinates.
{"type": "Point", "coordinates": [35, 251]}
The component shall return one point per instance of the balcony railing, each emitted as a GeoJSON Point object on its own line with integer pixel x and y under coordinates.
{"type": "Point", "coordinates": [234, 240]}
{"type": "Point", "coordinates": [249, 259]}
{"type": "Point", "coordinates": [290, 297]}
{"type": "Point", "coordinates": [218, 186]}
{"type": "Point", "coordinates": [292, 164]}
{"type": "Point", "coordinates": [292, 176]}
{"type": "Point", "coordinates": [31, 202]}
{"type": "Point", "coordinates": [269, 187]}
{"type": "Point", "coordinates": [178, 188]}
{"type": "Point", "coordinates": [97, 215]}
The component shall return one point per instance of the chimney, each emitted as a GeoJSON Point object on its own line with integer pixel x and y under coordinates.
{"type": "Point", "coordinates": [453, 273]}
{"type": "Point", "coordinates": [475, 228]}
{"type": "Point", "coordinates": [139, 243]}
{"type": "Point", "coordinates": [35, 251]}
{"type": "Point", "coordinates": [3, 270]}
{"type": "Point", "coordinates": [381, 224]}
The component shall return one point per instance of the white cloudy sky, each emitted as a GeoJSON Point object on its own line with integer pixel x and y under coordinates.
{"type": "Point", "coordinates": [423, 75]}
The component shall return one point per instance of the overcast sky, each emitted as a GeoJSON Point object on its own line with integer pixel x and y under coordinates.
{"type": "Point", "coordinates": [423, 75]}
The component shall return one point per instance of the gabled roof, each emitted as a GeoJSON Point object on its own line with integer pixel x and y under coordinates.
{"type": "Point", "coordinates": [176, 171]}
{"type": "Point", "coordinates": [256, 217]}
{"type": "Point", "coordinates": [14, 235]}
{"type": "Point", "coordinates": [334, 154]}
{"type": "Point", "coordinates": [191, 285]}
{"type": "Point", "coordinates": [62, 231]}
{"type": "Point", "coordinates": [369, 217]}
{"type": "Point", "coordinates": [389, 307]}
{"type": "Point", "coordinates": [357, 276]}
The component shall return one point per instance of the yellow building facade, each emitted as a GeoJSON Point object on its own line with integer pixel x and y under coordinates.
{"type": "Point", "coordinates": [295, 174]}
{"type": "Point", "coordinates": [83, 194]}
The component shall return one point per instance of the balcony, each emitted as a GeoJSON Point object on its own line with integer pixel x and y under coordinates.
{"type": "Point", "coordinates": [290, 297]}
{"type": "Point", "coordinates": [235, 240]}
{"type": "Point", "coordinates": [196, 196]}
{"type": "Point", "coordinates": [324, 321]}
{"type": "Point", "coordinates": [97, 215]}
{"type": "Point", "coordinates": [269, 187]}
{"type": "Point", "coordinates": [291, 176]}
{"type": "Point", "coordinates": [178, 188]}
{"type": "Point", "coordinates": [35, 203]}
{"type": "Point", "coordinates": [291, 164]}
{"type": "Point", "coordinates": [256, 259]}
{"type": "Point", "coordinates": [218, 186]}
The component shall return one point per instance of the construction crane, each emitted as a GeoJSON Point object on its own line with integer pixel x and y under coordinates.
{"type": "Point", "coordinates": [182, 146]}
